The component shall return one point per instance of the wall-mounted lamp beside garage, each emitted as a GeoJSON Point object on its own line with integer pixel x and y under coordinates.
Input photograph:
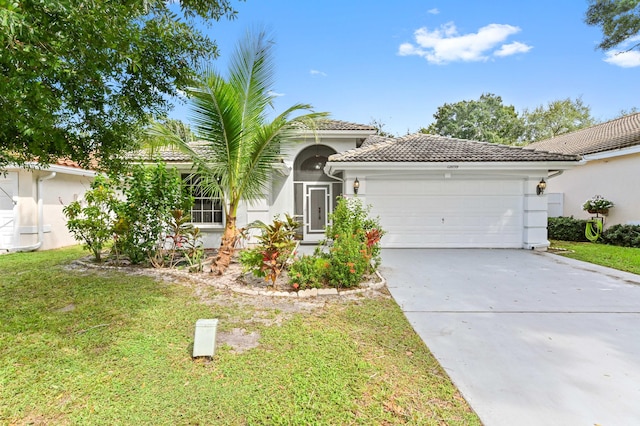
{"type": "Point", "coordinates": [356, 186]}
{"type": "Point", "coordinates": [542, 185]}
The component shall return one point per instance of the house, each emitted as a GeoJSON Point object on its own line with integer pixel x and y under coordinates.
{"type": "Point", "coordinates": [299, 186]}
{"type": "Point", "coordinates": [31, 203]}
{"type": "Point", "coordinates": [611, 152]}
{"type": "Point", "coordinates": [429, 191]}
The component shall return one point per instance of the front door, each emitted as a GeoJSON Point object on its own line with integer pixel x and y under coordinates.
{"type": "Point", "coordinates": [317, 208]}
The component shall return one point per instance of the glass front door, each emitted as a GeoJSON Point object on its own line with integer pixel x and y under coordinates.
{"type": "Point", "coordinates": [317, 206]}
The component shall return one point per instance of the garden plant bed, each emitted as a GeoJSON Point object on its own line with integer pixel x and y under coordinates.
{"type": "Point", "coordinates": [237, 281]}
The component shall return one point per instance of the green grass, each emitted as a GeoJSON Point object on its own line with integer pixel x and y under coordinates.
{"type": "Point", "coordinates": [80, 347]}
{"type": "Point", "coordinates": [622, 258]}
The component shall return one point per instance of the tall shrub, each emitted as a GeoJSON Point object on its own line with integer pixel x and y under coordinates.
{"type": "Point", "coordinates": [91, 221]}
{"type": "Point", "coordinates": [150, 194]}
{"type": "Point", "coordinates": [354, 240]}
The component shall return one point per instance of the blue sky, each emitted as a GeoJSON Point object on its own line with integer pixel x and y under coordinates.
{"type": "Point", "coordinates": [398, 61]}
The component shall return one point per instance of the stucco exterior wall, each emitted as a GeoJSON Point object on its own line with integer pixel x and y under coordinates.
{"type": "Point", "coordinates": [280, 199]}
{"type": "Point", "coordinates": [614, 178]}
{"type": "Point", "coordinates": [56, 194]}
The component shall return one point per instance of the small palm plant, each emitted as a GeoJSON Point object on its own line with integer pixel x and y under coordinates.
{"type": "Point", "coordinates": [230, 115]}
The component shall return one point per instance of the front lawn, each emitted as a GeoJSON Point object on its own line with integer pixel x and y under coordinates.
{"type": "Point", "coordinates": [96, 347]}
{"type": "Point", "coordinates": [622, 258]}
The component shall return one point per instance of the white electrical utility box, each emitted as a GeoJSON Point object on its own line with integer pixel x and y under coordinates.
{"type": "Point", "coordinates": [204, 341]}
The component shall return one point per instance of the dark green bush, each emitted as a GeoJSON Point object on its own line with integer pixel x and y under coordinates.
{"type": "Point", "coordinates": [151, 195]}
{"type": "Point", "coordinates": [622, 235]}
{"type": "Point", "coordinates": [566, 229]}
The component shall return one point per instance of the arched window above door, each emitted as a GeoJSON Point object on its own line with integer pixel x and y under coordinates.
{"type": "Point", "coordinates": [309, 164]}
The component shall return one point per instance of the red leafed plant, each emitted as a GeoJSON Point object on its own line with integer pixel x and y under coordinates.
{"type": "Point", "coordinates": [275, 247]}
{"type": "Point", "coordinates": [373, 237]}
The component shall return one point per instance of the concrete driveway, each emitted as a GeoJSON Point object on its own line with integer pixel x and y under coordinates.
{"type": "Point", "coordinates": [528, 338]}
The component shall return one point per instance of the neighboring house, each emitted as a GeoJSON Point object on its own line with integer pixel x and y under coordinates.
{"type": "Point", "coordinates": [31, 203]}
{"type": "Point", "coordinates": [429, 191]}
{"type": "Point", "coordinates": [611, 151]}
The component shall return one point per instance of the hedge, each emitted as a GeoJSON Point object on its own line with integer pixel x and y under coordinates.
{"type": "Point", "coordinates": [566, 229]}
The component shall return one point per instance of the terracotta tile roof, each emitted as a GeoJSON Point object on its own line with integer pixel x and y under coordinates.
{"type": "Point", "coordinates": [620, 133]}
{"type": "Point", "coordinates": [420, 147]}
{"type": "Point", "coordinates": [67, 163]}
{"type": "Point", "coordinates": [74, 165]}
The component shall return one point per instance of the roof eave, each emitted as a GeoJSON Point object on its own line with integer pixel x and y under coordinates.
{"type": "Point", "coordinates": [75, 171]}
{"type": "Point", "coordinates": [635, 149]}
{"type": "Point", "coordinates": [337, 166]}
{"type": "Point", "coordinates": [336, 133]}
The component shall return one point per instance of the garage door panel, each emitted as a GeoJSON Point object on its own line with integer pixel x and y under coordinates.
{"type": "Point", "coordinates": [462, 213]}
{"type": "Point", "coordinates": [451, 203]}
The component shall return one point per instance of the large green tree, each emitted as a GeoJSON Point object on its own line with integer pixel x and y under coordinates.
{"type": "Point", "coordinates": [79, 78]}
{"type": "Point", "coordinates": [557, 117]}
{"type": "Point", "coordinates": [232, 115]}
{"type": "Point", "coordinates": [618, 19]}
{"type": "Point", "coordinates": [486, 119]}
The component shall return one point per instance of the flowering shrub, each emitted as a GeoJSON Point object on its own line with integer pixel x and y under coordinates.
{"type": "Point", "coordinates": [597, 204]}
{"type": "Point", "coordinates": [353, 241]}
{"type": "Point", "coordinates": [308, 272]}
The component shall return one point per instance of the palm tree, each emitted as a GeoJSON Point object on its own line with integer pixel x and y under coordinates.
{"type": "Point", "coordinates": [230, 116]}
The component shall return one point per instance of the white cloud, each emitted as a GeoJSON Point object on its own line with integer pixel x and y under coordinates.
{"type": "Point", "coordinates": [625, 58]}
{"type": "Point", "coordinates": [628, 59]}
{"type": "Point", "coordinates": [433, 11]}
{"type": "Point", "coordinates": [275, 94]}
{"type": "Point", "coordinates": [319, 73]}
{"type": "Point", "coordinates": [444, 44]}
{"type": "Point", "coordinates": [512, 49]}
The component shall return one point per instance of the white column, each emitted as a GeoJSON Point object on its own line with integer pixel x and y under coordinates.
{"type": "Point", "coordinates": [535, 216]}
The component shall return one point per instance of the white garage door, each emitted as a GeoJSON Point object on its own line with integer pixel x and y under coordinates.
{"type": "Point", "coordinates": [448, 213]}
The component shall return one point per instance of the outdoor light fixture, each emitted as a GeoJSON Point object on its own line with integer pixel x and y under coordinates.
{"type": "Point", "coordinates": [356, 186]}
{"type": "Point", "coordinates": [542, 185]}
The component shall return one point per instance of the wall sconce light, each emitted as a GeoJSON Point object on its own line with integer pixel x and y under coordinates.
{"type": "Point", "coordinates": [356, 186]}
{"type": "Point", "coordinates": [542, 185]}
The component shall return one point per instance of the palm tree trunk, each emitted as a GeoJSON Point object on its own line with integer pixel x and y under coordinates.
{"type": "Point", "coordinates": [227, 245]}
